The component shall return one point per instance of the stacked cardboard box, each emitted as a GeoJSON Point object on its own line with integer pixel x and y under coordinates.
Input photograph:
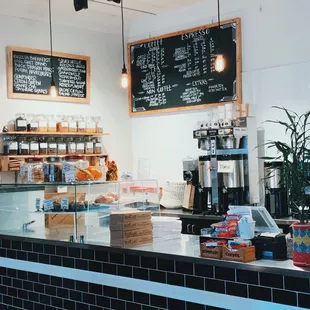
{"type": "Point", "coordinates": [131, 228]}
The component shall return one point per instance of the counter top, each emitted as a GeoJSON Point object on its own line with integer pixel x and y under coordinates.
{"type": "Point", "coordinates": [184, 214]}
{"type": "Point", "coordinates": [185, 248]}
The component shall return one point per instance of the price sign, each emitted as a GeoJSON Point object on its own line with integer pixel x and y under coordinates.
{"type": "Point", "coordinates": [48, 205]}
{"type": "Point", "coordinates": [65, 203]}
{"type": "Point", "coordinates": [38, 204]}
{"type": "Point", "coordinates": [70, 176]}
{"type": "Point", "coordinates": [226, 166]}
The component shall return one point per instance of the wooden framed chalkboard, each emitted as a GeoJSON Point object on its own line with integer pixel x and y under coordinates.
{"type": "Point", "coordinates": [175, 72]}
{"type": "Point", "coordinates": [29, 75]}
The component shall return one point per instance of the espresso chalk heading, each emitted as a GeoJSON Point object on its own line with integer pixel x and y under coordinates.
{"type": "Point", "coordinates": [175, 72]}
{"type": "Point", "coordinates": [29, 75]}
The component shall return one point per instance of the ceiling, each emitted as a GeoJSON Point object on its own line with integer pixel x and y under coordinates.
{"type": "Point", "coordinates": [101, 15]}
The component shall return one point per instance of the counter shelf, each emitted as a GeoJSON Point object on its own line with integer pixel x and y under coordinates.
{"type": "Point", "coordinates": [60, 211]}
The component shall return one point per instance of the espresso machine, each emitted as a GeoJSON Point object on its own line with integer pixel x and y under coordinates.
{"type": "Point", "coordinates": [228, 169]}
{"type": "Point", "coordinates": [276, 195]}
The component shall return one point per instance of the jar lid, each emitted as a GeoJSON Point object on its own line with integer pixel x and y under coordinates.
{"type": "Point", "coordinates": [75, 157]}
{"type": "Point", "coordinates": [53, 159]}
{"type": "Point", "coordinates": [33, 160]}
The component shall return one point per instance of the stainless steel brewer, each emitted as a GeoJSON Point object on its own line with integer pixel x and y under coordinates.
{"type": "Point", "coordinates": [276, 196]}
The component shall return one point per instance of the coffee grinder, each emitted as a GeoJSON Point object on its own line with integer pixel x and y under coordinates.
{"type": "Point", "coordinates": [276, 194]}
{"type": "Point", "coordinates": [191, 176]}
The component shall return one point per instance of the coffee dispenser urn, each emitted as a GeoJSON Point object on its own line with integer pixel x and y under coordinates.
{"type": "Point", "coordinates": [205, 182]}
{"type": "Point", "coordinates": [231, 171]}
{"type": "Point", "coordinates": [276, 201]}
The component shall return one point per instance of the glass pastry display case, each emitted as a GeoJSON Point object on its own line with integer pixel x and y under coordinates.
{"type": "Point", "coordinates": [73, 212]}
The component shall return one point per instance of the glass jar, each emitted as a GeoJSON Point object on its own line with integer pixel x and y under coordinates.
{"type": "Point", "coordinates": [80, 147]}
{"type": "Point", "coordinates": [71, 146]}
{"type": "Point", "coordinates": [72, 165]}
{"type": "Point", "coordinates": [52, 169]}
{"type": "Point", "coordinates": [89, 146]}
{"type": "Point", "coordinates": [51, 123]}
{"type": "Point", "coordinates": [13, 147]}
{"type": "Point", "coordinates": [42, 146]}
{"type": "Point", "coordinates": [32, 122]}
{"type": "Point", "coordinates": [62, 124]}
{"type": "Point", "coordinates": [42, 123]}
{"type": "Point", "coordinates": [34, 146]}
{"type": "Point", "coordinates": [90, 125]}
{"type": "Point", "coordinates": [81, 126]}
{"type": "Point", "coordinates": [72, 124]}
{"type": "Point", "coordinates": [20, 122]}
{"type": "Point", "coordinates": [61, 146]}
{"type": "Point", "coordinates": [51, 146]}
{"type": "Point", "coordinates": [99, 125]}
{"type": "Point", "coordinates": [31, 171]}
{"type": "Point", "coordinates": [23, 146]}
{"type": "Point", "coordinates": [97, 146]}
{"type": "Point", "coordinates": [6, 145]}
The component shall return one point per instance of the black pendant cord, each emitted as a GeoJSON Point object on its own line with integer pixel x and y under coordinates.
{"type": "Point", "coordinates": [123, 35]}
{"type": "Point", "coordinates": [51, 39]}
{"type": "Point", "coordinates": [219, 24]}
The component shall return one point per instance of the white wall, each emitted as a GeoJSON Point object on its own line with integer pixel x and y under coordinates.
{"type": "Point", "coordinates": [108, 99]}
{"type": "Point", "coordinates": [276, 66]}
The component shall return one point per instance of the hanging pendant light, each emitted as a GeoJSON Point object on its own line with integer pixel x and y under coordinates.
{"type": "Point", "coordinates": [124, 77]}
{"type": "Point", "coordinates": [52, 91]}
{"type": "Point", "coordinates": [219, 63]}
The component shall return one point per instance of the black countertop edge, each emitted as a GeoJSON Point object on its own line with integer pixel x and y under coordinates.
{"type": "Point", "coordinates": [17, 189]}
{"type": "Point", "coordinates": [190, 259]}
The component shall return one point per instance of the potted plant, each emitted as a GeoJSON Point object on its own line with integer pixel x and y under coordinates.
{"type": "Point", "coordinates": [295, 156]}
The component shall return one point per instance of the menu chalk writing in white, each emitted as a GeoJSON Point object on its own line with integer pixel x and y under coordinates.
{"type": "Point", "coordinates": [178, 71]}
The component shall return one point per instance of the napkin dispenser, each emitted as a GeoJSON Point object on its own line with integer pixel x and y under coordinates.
{"type": "Point", "coordinates": [270, 246]}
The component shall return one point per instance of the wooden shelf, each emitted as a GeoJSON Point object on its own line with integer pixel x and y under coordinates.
{"type": "Point", "coordinates": [36, 133]}
{"type": "Point", "coordinates": [45, 156]}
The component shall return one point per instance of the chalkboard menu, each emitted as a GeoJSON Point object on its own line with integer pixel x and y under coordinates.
{"type": "Point", "coordinates": [29, 75]}
{"type": "Point", "coordinates": [176, 71]}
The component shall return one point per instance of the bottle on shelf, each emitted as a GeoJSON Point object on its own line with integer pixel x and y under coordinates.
{"type": "Point", "coordinates": [99, 124]}
{"type": "Point", "coordinates": [81, 125]}
{"type": "Point", "coordinates": [42, 123]}
{"type": "Point", "coordinates": [90, 125]}
{"type": "Point", "coordinates": [20, 122]}
{"type": "Point", "coordinates": [97, 146]}
{"type": "Point", "coordinates": [71, 146]}
{"type": "Point", "coordinates": [61, 146]}
{"type": "Point", "coordinates": [51, 146]}
{"type": "Point", "coordinates": [51, 123]}
{"type": "Point", "coordinates": [62, 124]}
{"type": "Point", "coordinates": [32, 122]}
{"type": "Point", "coordinates": [89, 146]}
{"type": "Point", "coordinates": [23, 146]}
{"type": "Point", "coordinates": [34, 146]}
{"type": "Point", "coordinates": [80, 149]}
{"type": "Point", "coordinates": [42, 145]}
{"type": "Point", "coordinates": [13, 147]}
{"type": "Point", "coordinates": [72, 124]}
{"type": "Point", "coordinates": [6, 145]}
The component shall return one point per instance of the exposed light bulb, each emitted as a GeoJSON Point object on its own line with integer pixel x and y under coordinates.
{"type": "Point", "coordinates": [219, 63]}
{"type": "Point", "coordinates": [53, 92]}
{"type": "Point", "coordinates": [124, 78]}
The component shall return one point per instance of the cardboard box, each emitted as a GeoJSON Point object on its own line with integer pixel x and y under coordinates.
{"type": "Point", "coordinates": [124, 226]}
{"type": "Point", "coordinates": [130, 242]}
{"type": "Point", "coordinates": [56, 220]}
{"type": "Point", "coordinates": [130, 216]}
{"type": "Point", "coordinates": [119, 234]}
{"type": "Point", "coordinates": [244, 255]}
{"type": "Point", "coordinates": [211, 252]}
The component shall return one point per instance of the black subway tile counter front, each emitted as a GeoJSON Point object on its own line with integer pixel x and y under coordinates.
{"type": "Point", "coordinates": [259, 281]}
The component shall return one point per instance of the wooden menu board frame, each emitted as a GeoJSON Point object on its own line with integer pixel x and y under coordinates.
{"type": "Point", "coordinates": [194, 107]}
{"type": "Point", "coordinates": [10, 73]}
